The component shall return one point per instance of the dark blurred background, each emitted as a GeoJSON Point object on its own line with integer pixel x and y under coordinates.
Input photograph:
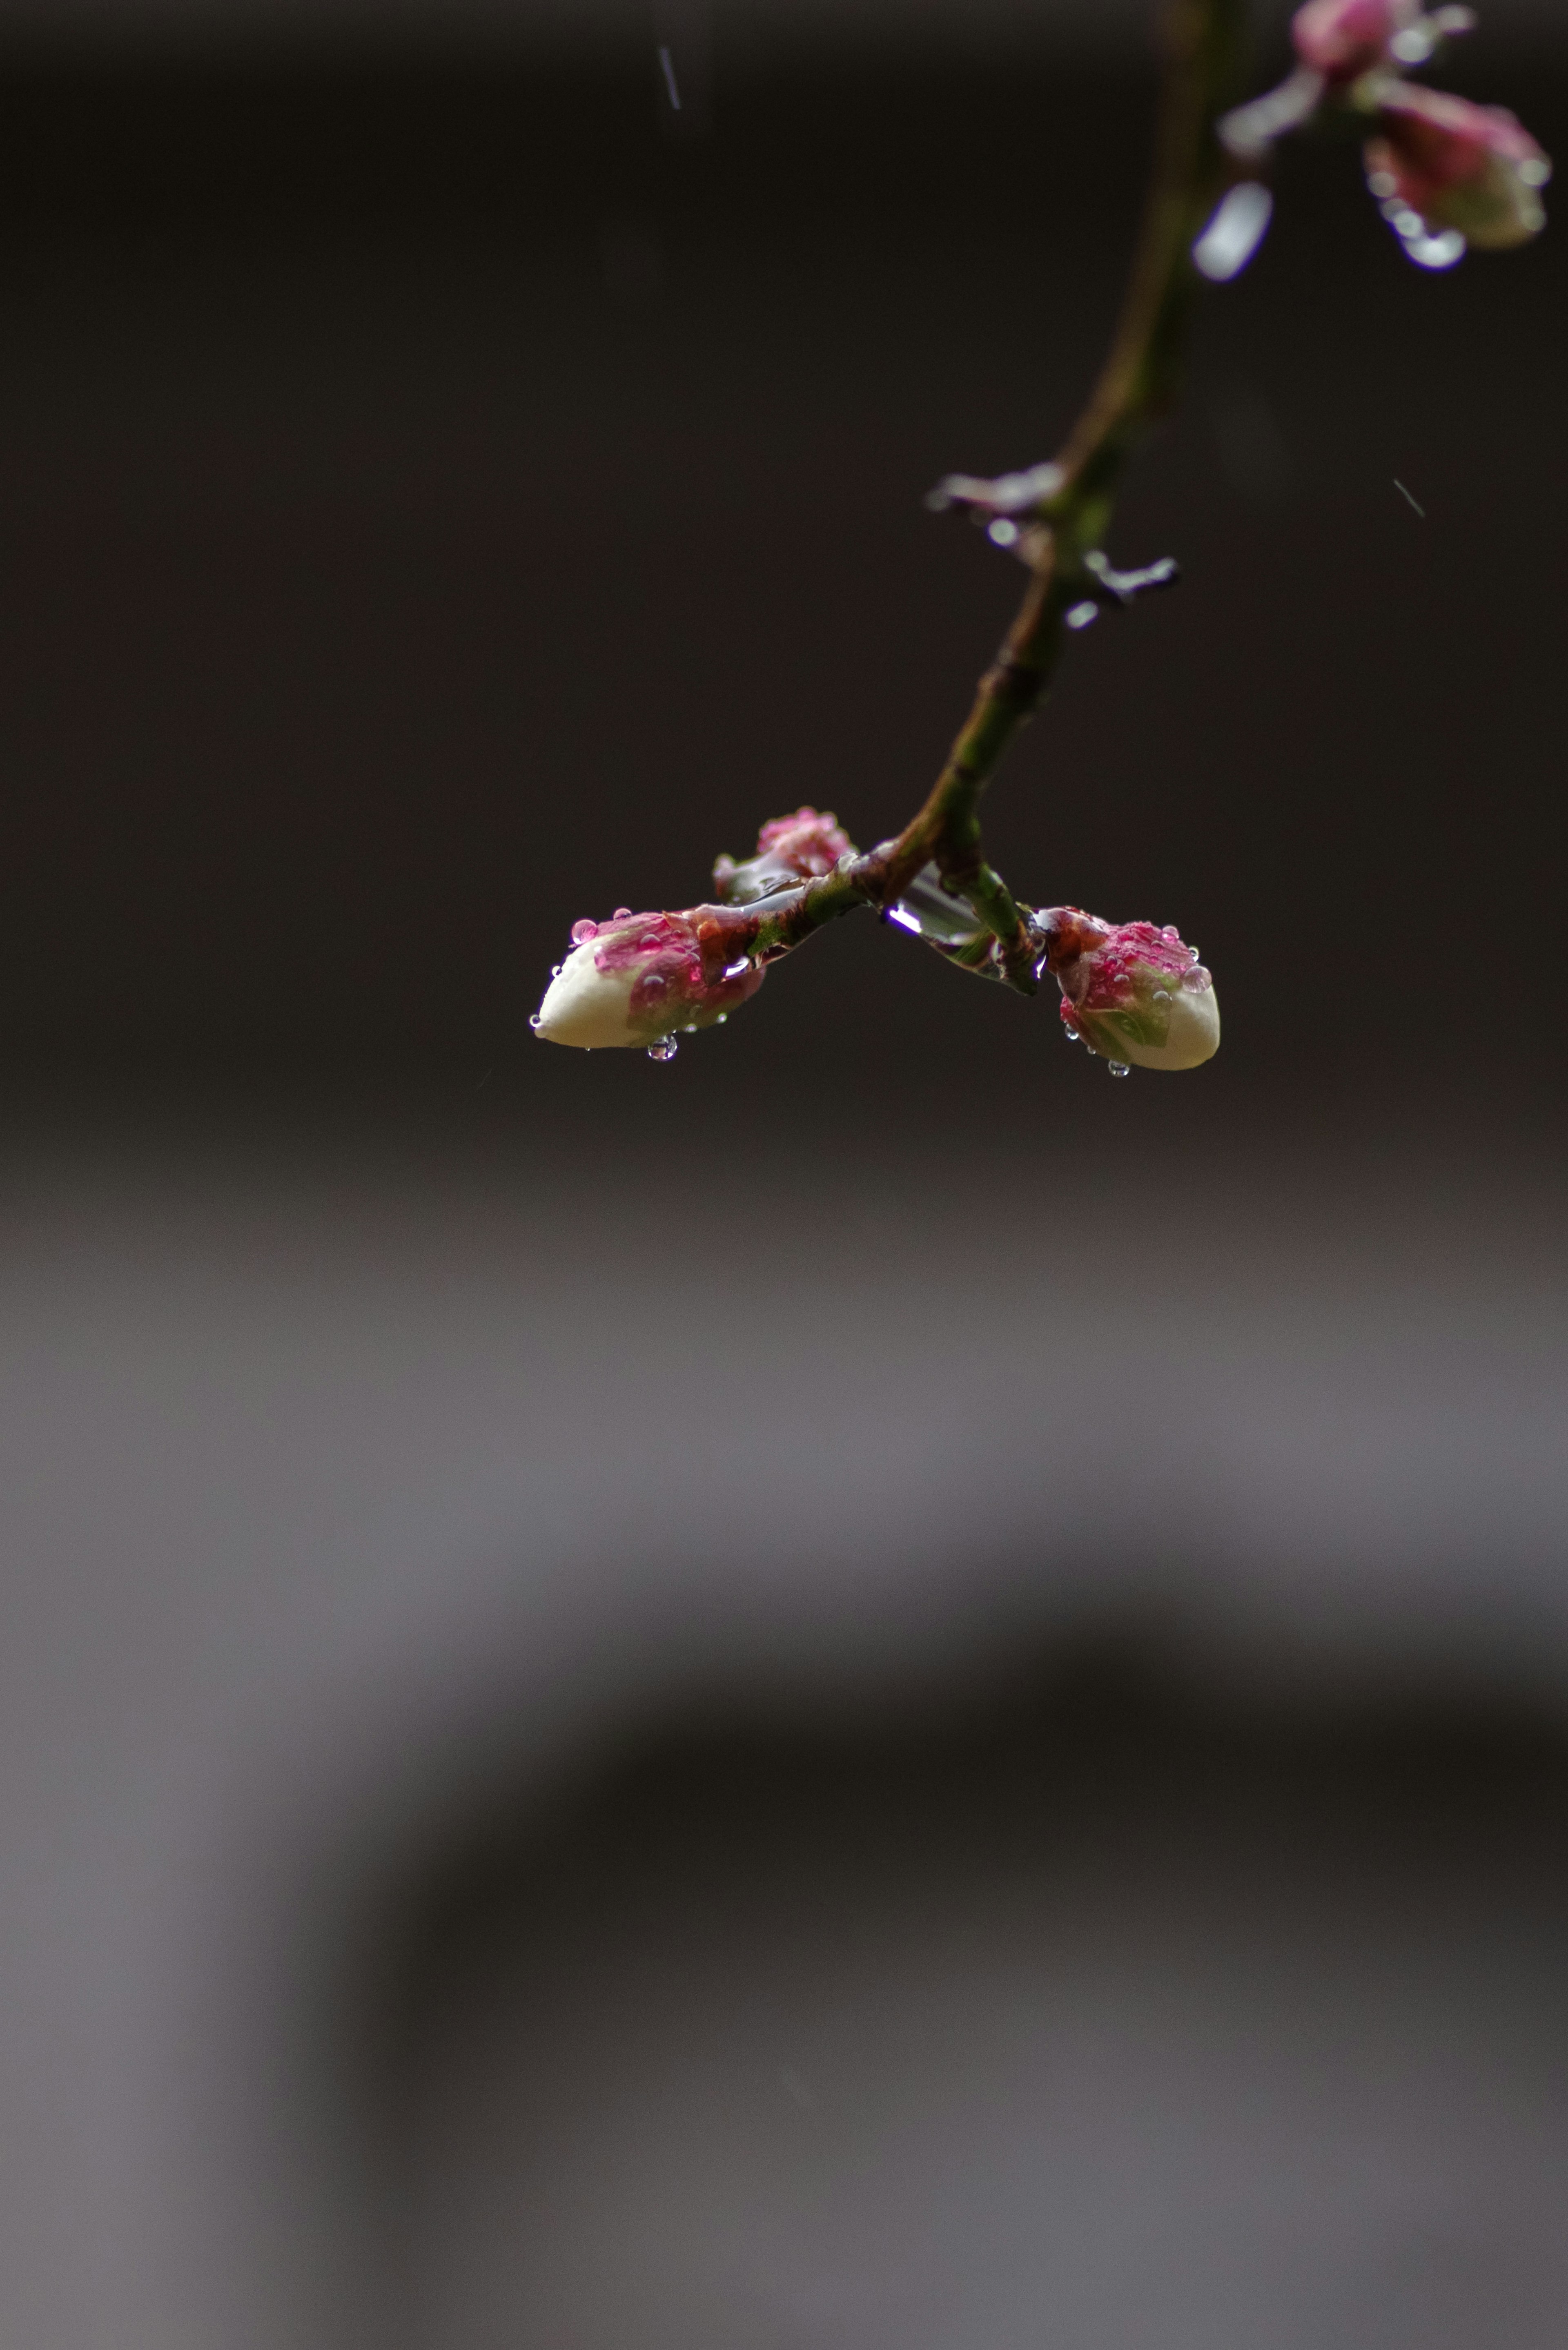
{"type": "Point", "coordinates": [864, 1692]}
{"type": "Point", "coordinates": [440, 501]}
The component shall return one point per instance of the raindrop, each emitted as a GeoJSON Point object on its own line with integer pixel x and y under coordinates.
{"type": "Point", "coordinates": [555, 971]}
{"type": "Point", "coordinates": [1002, 533]}
{"type": "Point", "coordinates": [1161, 996]}
{"type": "Point", "coordinates": [1072, 1035]}
{"type": "Point", "coordinates": [1426, 249]}
{"type": "Point", "coordinates": [1082, 614]}
{"type": "Point", "coordinates": [1118, 1068]}
{"type": "Point", "coordinates": [533, 1020]}
{"type": "Point", "coordinates": [1437, 252]}
{"type": "Point", "coordinates": [1195, 979]}
{"type": "Point", "coordinates": [1235, 233]}
{"type": "Point", "coordinates": [665, 1049]}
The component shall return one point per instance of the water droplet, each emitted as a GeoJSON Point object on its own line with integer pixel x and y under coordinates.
{"type": "Point", "coordinates": [1433, 252]}
{"type": "Point", "coordinates": [1072, 1035]}
{"type": "Point", "coordinates": [1083, 615]}
{"type": "Point", "coordinates": [1161, 996]}
{"type": "Point", "coordinates": [622, 914]}
{"type": "Point", "coordinates": [555, 971]}
{"type": "Point", "coordinates": [1118, 1068]}
{"type": "Point", "coordinates": [1195, 979]}
{"type": "Point", "coordinates": [1237, 229]}
{"type": "Point", "coordinates": [722, 1020]}
{"type": "Point", "coordinates": [533, 1020]}
{"type": "Point", "coordinates": [664, 1049]}
{"type": "Point", "coordinates": [1002, 533]}
{"type": "Point", "coordinates": [1172, 935]}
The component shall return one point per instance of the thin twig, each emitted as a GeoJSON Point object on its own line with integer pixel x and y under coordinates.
{"type": "Point", "coordinates": [1137, 383]}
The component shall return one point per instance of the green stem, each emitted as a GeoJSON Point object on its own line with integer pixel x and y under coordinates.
{"type": "Point", "coordinates": [1136, 385]}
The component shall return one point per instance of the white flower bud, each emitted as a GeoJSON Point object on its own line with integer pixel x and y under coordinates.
{"type": "Point", "coordinates": [637, 979]}
{"type": "Point", "coordinates": [1134, 993]}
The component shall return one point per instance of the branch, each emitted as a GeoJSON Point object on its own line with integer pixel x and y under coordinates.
{"type": "Point", "coordinates": [1064, 509]}
{"type": "Point", "coordinates": [1446, 174]}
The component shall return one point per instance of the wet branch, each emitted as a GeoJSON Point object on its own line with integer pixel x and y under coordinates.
{"type": "Point", "coordinates": [1055, 516]}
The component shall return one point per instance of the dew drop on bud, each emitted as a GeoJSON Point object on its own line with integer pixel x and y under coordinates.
{"type": "Point", "coordinates": [663, 1049]}
{"type": "Point", "coordinates": [1195, 979]}
{"type": "Point", "coordinates": [1118, 1068]}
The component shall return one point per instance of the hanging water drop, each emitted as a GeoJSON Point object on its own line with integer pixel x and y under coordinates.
{"type": "Point", "coordinates": [664, 1048]}
{"type": "Point", "coordinates": [1072, 1035]}
{"type": "Point", "coordinates": [533, 1020]}
{"type": "Point", "coordinates": [1118, 1068]}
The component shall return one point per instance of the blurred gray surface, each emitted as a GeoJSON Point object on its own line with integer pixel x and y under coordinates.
{"type": "Point", "coordinates": [344, 1486]}
{"type": "Point", "coordinates": [1156, 2057]}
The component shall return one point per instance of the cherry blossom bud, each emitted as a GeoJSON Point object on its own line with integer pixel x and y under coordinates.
{"type": "Point", "coordinates": [798, 847]}
{"type": "Point", "coordinates": [637, 978]}
{"type": "Point", "coordinates": [1342, 39]}
{"type": "Point", "coordinates": [1133, 993]}
{"type": "Point", "coordinates": [1453, 166]}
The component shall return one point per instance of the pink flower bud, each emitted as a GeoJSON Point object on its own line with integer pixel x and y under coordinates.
{"type": "Point", "coordinates": [1457, 165]}
{"type": "Point", "coordinates": [798, 847]}
{"type": "Point", "coordinates": [807, 843]}
{"type": "Point", "coordinates": [1342, 39]}
{"type": "Point", "coordinates": [637, 978]}
{"type": "Point", "coordinates": [1134, 993]}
